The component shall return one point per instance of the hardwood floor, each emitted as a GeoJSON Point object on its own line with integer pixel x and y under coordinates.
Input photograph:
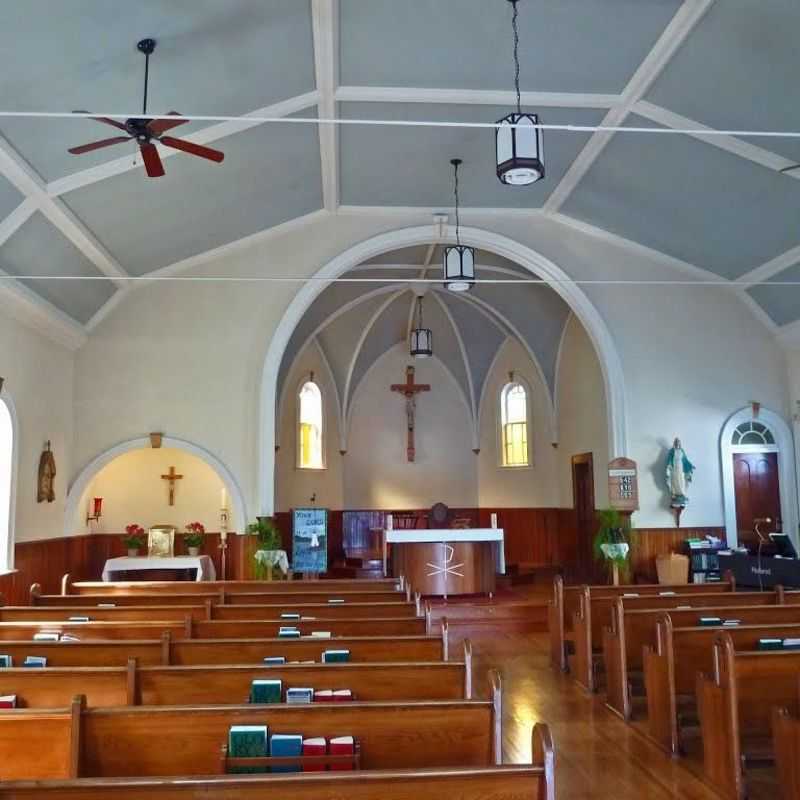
{"type": "Point", "coordinates": [597, 755]}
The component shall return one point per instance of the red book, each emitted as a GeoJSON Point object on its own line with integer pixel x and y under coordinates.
{"type": "Point", "coordinates": [8, 701]}
{"type": "Point", "coordinates": [315, 747]}
{"type": "Point", "coordinates": [323, 696]}
{"type": "Point", "coordinates": [342, 695]}
{"type": "Point", "coordinates": [340, 746]}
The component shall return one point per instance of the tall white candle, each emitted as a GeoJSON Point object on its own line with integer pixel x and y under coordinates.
{"type": "Point", "coordinates": [494, 519]}
{"type": "Point", "coordinates": [223, 503]}
{"type": "Point", "coordinates": [389, 522]}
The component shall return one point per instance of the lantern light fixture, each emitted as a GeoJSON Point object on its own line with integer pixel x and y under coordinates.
{"type": "Point", "coordinates": [459, 260]}
{"type": "Point", "coordinates": [519, 148]}
{"type": "Point", "coordinates": [421, 337]}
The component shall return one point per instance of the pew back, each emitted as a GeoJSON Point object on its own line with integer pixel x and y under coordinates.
{"type": "Point", "coordinates": [786, 739]}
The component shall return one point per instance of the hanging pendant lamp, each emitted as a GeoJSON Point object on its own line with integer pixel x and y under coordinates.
{"type": "Point", "coordinates": [519, 147]}
{"type": "Point", "coordinates": [421, 337]}
{"type": "Point", "coordinates": [459, 260]}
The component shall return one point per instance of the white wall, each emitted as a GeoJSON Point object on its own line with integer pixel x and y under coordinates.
{"type": "Point", "coordinates": [187, 359]}
{"type": "Point", "coordinates": [581, 413]}
{"type": "Point", "coordinates": [535, 486]}
{"type": "Point", "coordinates": [133, 491]}
{"type": "Point", "coordinates": [39, 379]}
{"type": "Point", "coordinates": [295, 487]}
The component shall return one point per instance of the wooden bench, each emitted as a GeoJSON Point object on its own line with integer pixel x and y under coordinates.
{"type": "Point", "coordinates": [633, 628]}
{"type": "Point", "coordinates": [513, 782]}
{"type": "Point", "coordinates": [786, 741]}
{"type": "Point", "coordinates": [566, 601]}
{"type": "Point", "coordinates": [735, 705]}
{"type": "Point", "coordinates": [68, 586]}
{"type": "Point", "coordinates": [51, 687]}
{"type": "Point", "coordinates": [671, 666]}
{"type": "Point", "coordinates": [186, 740]}
{"type": "Point", "coordinates": [228, 651]}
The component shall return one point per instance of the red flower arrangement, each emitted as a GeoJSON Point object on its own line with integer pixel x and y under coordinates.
{"type": "Point", "coordinates": [196, 527]}
{"type": "Point", "coordinates": [194, 534]}
{"type": "Point", "coordinates": [133, 536]}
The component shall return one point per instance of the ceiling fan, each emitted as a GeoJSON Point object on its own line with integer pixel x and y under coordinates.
{"type": "Point", "coordinates": [146, 130]}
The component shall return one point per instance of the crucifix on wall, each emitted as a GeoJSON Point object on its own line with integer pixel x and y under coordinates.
{"type": "Point", "coordinates": [410, 389]}
{"type": "Point", "coordinates": [172, 476]}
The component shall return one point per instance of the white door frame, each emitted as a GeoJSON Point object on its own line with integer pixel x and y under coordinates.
{"type": "Point", "coordinates": [787, 475]}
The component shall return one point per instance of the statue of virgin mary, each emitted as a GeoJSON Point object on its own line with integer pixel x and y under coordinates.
{"type": "Point", "coordinates": [679, 473]}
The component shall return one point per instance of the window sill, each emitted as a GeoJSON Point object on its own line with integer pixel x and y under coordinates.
{"type": "Point", "coordinates": [311, 469]}
{"type": "Point", "coordinates": [515, 466]}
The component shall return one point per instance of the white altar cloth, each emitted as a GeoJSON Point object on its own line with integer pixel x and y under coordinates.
{"type": "Point", "coordinates": [202, 564]}
{"type": "Point", "coordinates": [399, 535]}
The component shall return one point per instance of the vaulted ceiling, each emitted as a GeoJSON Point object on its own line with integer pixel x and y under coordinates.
{"type": "Point", "coordinates": [713, 207]}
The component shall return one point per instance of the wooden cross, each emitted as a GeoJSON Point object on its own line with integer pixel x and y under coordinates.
{"type": "Point", "coordinates": [408, 390]}
{"type": "Point", "coordinates": [172, 476]}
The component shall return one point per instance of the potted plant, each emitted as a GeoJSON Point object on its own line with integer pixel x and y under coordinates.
{"type": "Point", "coordinates": [193, 538]}
{"type": "Point", "coordinates": [613, 540]}
{"type": "Point", "coordinates": [269, 539]}
{"type": "Point", "coordinates": [133, 539]}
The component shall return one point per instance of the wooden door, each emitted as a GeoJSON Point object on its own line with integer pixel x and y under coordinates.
{"type": "Point", "coordinates": [757, 492]}
{"type": "Point", "coordinates": [583, 498]}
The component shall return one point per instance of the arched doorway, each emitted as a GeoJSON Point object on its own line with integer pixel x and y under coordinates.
{"type": "Point", "coordinates": [758, 473]}
{"type": "Point", "coordinates": [534, 262]}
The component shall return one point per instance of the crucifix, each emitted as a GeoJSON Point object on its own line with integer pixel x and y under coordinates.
{"type": "Point", "coordinates": [409, 389]}
{"type": "Point", "coordinates": [172, 476]}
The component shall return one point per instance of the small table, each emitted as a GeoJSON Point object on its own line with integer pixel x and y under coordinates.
{"type": "Point", "coordinates": [273, 558]}
{"type": "Point", "coordinates": [203, 565]}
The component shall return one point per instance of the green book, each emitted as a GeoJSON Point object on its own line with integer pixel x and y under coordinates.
{"type": "Point", "coordinates": [770, 644]}
{"type": "Point", "coordinates": [266, 690]}
{"type": "Point", "coordinates": [331, 656]}
{"type": "Point", "coordinates": [6, 661]}
{"type": "Point", "coordinates": [274, 660]}
{"type": "Point", "coordinates": [288, 633]}
{"type": "Point", "coordinates": [710, 621]}
{"type": "Point", "coordinates": [248, 741]}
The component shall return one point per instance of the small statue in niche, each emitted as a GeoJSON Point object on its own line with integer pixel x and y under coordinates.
{"type": "Point", "coordinates": [47, 474]}
{"type": "Point", "coordinates": [679, 471]}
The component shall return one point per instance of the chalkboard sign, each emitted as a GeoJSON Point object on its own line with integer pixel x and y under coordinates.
{"type": "Point", "coordinates": [623, 485]}
{"type": "Point", "coordinates": [310, 540]}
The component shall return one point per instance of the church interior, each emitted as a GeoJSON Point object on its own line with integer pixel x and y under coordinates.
{"type": "Point", "coordinates": [402, 392]}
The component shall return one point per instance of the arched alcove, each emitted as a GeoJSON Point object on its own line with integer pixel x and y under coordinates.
{"type": "Point", "coordinates": [9, 457]}
{"type": "Point", "coordinates": [79, 491]}
{"type": "Point", "coordinates": [527, 258]}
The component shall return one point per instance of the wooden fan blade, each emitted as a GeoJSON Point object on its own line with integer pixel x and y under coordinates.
{"type": "Point", "coordinates": [152, 160]}
{"type": "Point", "coordinates": [87, 148]}
{"type": "Point", "coordinates": [194, 149]}
{"type": "Point", "coordinates": [107, 120]}
{"type": "Point", "coordinates": [159, 126]}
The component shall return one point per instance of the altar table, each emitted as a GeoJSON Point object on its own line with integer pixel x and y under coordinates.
{"type": "Point", "coordinates": [203, 565]}
{"type": "Point", "coordinates": [446, 562]}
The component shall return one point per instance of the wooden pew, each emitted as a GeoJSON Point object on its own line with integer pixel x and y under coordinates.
{"type": "Point", "coordinates": [102, 630]}
{"type": "Point", "coordinates": [786, 741]}
{"type": "Point", "coordinates": [186, 740]}
{"type": "Point", "coordinates": [735, 705]}
{"type": "Point", "coordinates": [671, 666]}
{"type": "Point", "coordinates": [51, 687]}
{"type": "Point", "coordinates": [165, 613]}
{"type": "Point", "coordinates": [327, 610]}
{"type": "Point", "coordinates": [185, 652]}
{"type": "Point", "coordinates": [328, 587]}
{"type": "Point", "coordinates": [513, 782]}
{"type": "Point", "coordinates": [566, 600]}
{"type": "Point", "coordinates": [633, 629]}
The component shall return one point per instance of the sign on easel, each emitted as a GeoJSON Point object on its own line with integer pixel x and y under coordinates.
{"type": "Point", "coordinates": [623, 485]}
{"type": "Point", "coordinates": [310, 540]}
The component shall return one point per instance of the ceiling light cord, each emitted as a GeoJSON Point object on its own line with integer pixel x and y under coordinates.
{"type": "Point", "coordinates": [515, 28]}
{"type": "Point", "coordinates": [146, 76]}
{"type": "Point", "coordinates": [458, 222]}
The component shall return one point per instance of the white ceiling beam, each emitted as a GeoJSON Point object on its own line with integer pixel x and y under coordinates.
{"type": "Point", "coordinates": [772, 267]}
{"type": "Point", "coordinates": [731, 144]}
{"type": "Point", "coordinates": [16, 219]}
{"type": "Point", "coordinates": [679, 27]}
{"type": "Point", "coordinates": [483, 97]}
{"type": "Point", "coordinates": [32, 310]}
{"type": "Point", "coordinates": [426, 212]}
{"type": "Point", "coordinates": [325, 23]}
{"type": "Point", "coordinates": [208, 135]}
{"type": "Point", "coordinates": [22, 176]}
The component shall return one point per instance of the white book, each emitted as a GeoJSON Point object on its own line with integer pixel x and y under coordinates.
{"type": "Point", "coordinates": [321, 634]}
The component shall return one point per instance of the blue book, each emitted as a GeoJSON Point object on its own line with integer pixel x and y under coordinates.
{"type": "Point", "coordinates": [275, 660]}
{"type": "Point", "coordinates": [6, 661]}
{"type": "Point", "coordinates": [248, 741]}
{"type": "Point", "coordinates": [35, 661]}
{"type": "Point", "coordinates": [266, 690]}
{"type": "Point", "coordinates": [296, 695]}
{"type": "Point", "coordinates": [286, 744]}
{"type": "Point", "coordinates": [331, 656]}
{"type": "Point", "coordinates": [288, 633]}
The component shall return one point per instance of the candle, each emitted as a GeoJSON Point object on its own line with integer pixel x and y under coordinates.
{"type": "Point", "coordinates": [223, 503]}
{"type": "Point", "coordinates": [389, 522]}
{"type": "Point", "coordinates": [494, 520]}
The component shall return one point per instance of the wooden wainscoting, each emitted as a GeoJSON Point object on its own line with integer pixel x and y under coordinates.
{"type": "Point", "coordinates": [651, 542]}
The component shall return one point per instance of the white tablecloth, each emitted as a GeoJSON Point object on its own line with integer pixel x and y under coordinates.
{"type": "Point", "coordinates": [202, 564]}
{"type": "Point", "coordinates": [447, 535]}
{"type": "Point", "coordinates": [274, 558]}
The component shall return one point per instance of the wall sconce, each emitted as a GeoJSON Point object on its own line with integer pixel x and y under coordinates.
{"type": "Point", "coordinates": [95, 510]}
{"type": "Point", "coordinates": [155, 440]}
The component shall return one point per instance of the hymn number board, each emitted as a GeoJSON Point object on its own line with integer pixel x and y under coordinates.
{"type": "Point", "coordinates": [623, 485]}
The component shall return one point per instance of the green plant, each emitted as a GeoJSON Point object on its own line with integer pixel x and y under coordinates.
{"type": "Point", "coordinates": [269, 537]}
{"type": "Point", "coordinates": [613, 528]}
{"type": "Point", "coordinates": [193, 539]}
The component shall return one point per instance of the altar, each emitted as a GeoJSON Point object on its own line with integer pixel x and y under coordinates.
{"type": "Point", "coordinates": [203, 566]}
{"type": "Point", "coordinates": [446, 562]}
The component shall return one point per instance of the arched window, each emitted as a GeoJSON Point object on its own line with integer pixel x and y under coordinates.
{"type": "Point", "coordinates": [514, 425]}
{"type": "Point", "coordinates": [309, 426]}
{"type": "Point", "coordinates": [6, 483]}
{"type": "Point", "coordinates": [752, 433]}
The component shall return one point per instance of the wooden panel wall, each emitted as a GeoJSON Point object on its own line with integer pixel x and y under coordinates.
{"type": "Point", "coordinates": [651, 542]}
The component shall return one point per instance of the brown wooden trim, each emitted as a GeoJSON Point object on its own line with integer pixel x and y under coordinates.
{"type": "Point", "coordinates": [496, 699]}
{"type": "Point", "coordinates": [76, 714]}
{"type": "Point", "coordinates": [543, 756]}
{"type": "Point", "coordinates": [467, 669]}
{"type": "Point", "coordinates": [131, 683]}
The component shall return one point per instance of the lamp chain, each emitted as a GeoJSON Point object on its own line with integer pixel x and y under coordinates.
{"type": "Point", "coordinates": [515, 27]}
{"type": "Point", "coordinates": [146, 76]}
{"type": "Point", "coordinates": [458, 237]}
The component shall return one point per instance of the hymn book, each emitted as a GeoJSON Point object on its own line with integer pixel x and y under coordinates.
{"type": "Point", "coordinates": [298, 695]}
{"type": "Point", "coordinates": [8, 701]}
{"type": "Point", "coordinates": [266, 690]}
{"type": "Point", "coordinates": [341, 746]}
{"type": "Point", "coordinates": [35, 661]}
{"type": "Point", "coordinates": [247, 741]}
{"type": "Point", "coordinates": [316, 746]}
{"type": "Point", "coordinates": [6, 661]}
{"type": "Point", "coordinates": [334, 656]}
{"type": "Point", "coordinates": [282, 745]}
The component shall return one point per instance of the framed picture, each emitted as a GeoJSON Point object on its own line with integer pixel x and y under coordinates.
{"type": "Point", "coordinates": [161, 541]}
{"type": "Point", "coordinates": [310, 540]}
